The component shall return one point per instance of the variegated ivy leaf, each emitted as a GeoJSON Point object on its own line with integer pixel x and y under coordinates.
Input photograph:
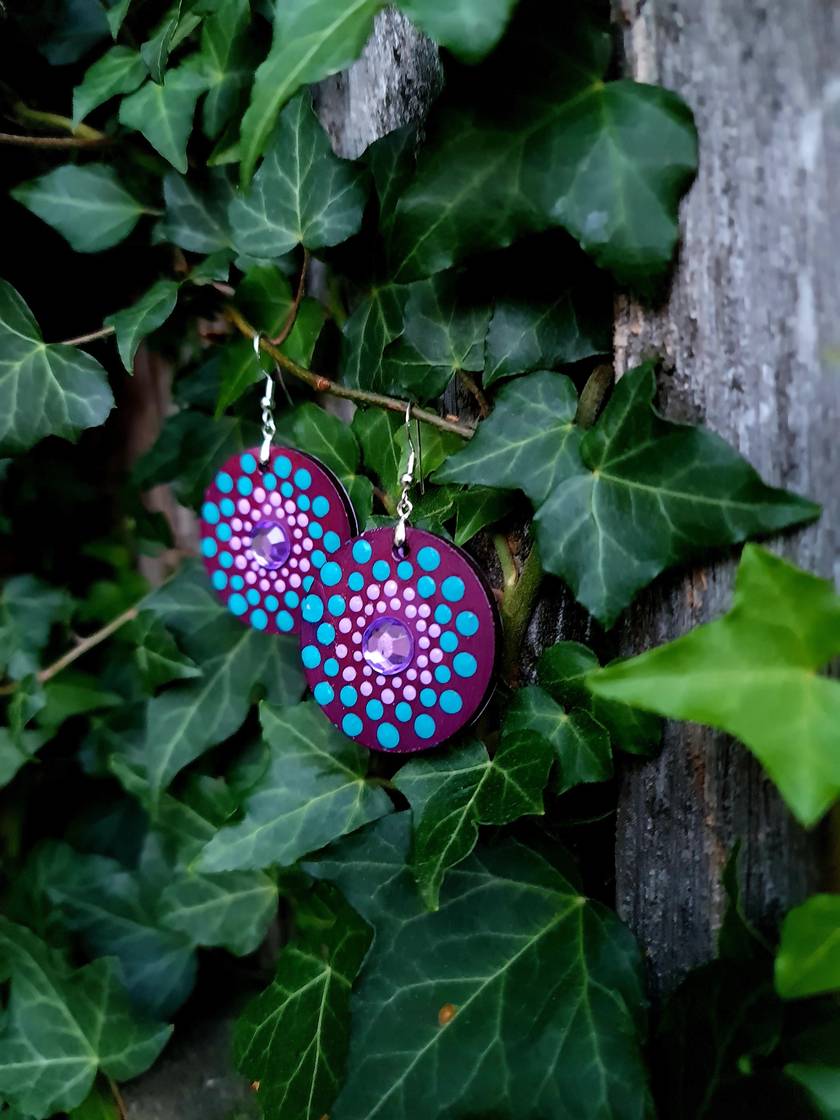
{"type": "Point", "coordinates": [619, 503]}
{"type": "Point", "coordinates": [335, 444]}
{"type": "Point", "coordinates": [155, 653]}
{"type": "Point", "coordinates": [314, 789]}
{"type": "Point", "coordinates": [227, 60]}
{"type": "Point", "coordinates": [196, 216]}
{"type": "Point", "coordinates": [164, 111]}
{"type": "Point", "coordinates": [150, 312]}
{"type": "Point", "coordinates": [376, 321]}
{"type": "Point", "coordinates": [119, 70]}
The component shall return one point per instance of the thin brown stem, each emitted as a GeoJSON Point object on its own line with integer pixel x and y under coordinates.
{"type": "Point", "coordinates": [473, 388]}
{"type": "Point", "coordinates": [103, 332]}
{"type": "Point", "coordinates": [323, 384]}
{"type": "Point", "coordinates": [291, 318]}
{"type": "Point", "coordinates": [52, 141]}
{"type": "Point", "coordinates": [118, 1099]}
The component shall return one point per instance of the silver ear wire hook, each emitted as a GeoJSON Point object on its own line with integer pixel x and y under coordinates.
{"type": "Point", "coordinates": [267, 405]}
{"type": "Point", "coordinates": [404, 505]}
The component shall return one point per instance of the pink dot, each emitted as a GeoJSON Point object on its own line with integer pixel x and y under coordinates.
{"type": "Point", "coordinates": [251, 577]}
{"type": "Point", "coordinates": [241, 562]}
{"type": "Point", "coordinates": [420, 624]}
{"type": "Point", "coordinates": [424, 610]}
{"type": "Point", "coordinates": [236, 524]}
{"type": "Point", "coordinates": [434, 630]}
{"type": "Point", "coordinates": [236, 543]}
{"type": "Point", "coordinates": [409, 692]}
{"type": "Point", "coordinates": [373, 591]}
{"type": "Point", "coordinates": [410, 611]}
{"type": "Point", "coordinates": [368, 672]}
{"type": "Point", "coordinates": [289, 506]}
{"type": "Point", "coordinates": [356, 604]}
{"type": "Point", "coordinates": [395, 604]}
{"type": "Point", "coordinates": [411, 674]}
{"type": "Point", "coordinates": [259, 494]}
{"type": "Point", "coordinates": [341, 651]}
{"type": "Point", "coordinates": [243, 505]}
{"type": "Point", "coordinates": [267, 508]}
{"type": "Point", "coordinates": [436, 655]}
{"type": "Point", "coordinates": [275, 498]}
{"type": "Point", "coordinates": [366, 688]}
{"type": "Point", "coordinates": [307, 544]}
{"type": "Point", "coordinates": [345, 626]}
{"type": "Point", "coordinates": [380, 680]}
{"type": "Point", "coordinates": [397, 682]}
{"type": "Point", "coordinates": [294, 580]}
{"type": "Point", "coordinates": [292, 520]}
{"type": "Point", "coordinates": [391, 587]}
{"type": "Point", "coordinates": [293, 562]}
{"type": "Point", "coordinates": [386, 696]}
{"type": "Point", "coordinates": [304, 564]}
{"type": "Point", "coordinates": [302, 519]}
{"type": "Point", "coordinates": [426, 677]}
{"type": "Point", "coordinates": [357, 637]}
{"type": "Point", "coordinates": [408, 593]}
{"type": "Point", "coordinates": [369, 608]}
{"type": "Point", "coordinates": [349, 673]}
{"type": "Point", "coordinates": [422, 661]}
{"type": "Point", "coordinates": [296, 549]}
{"type": "Point", "coordinates": [381, 606]}
{"type": "Point", "coordinates": [424, 643]}
{"type": "Point", "coordinates": [265, 585]}
{"type": "Point", "coordinates": [357, 656]}
{"type": "Point", "coordinates": [280, 584]}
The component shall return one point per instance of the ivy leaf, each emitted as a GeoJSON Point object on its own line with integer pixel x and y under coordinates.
{"type": "Point", "coordinates": [293, 1038]}
{"type": "Point", "coordinates": [119, 70]}
{"type": "Point", "coordinates": [478, 507]}
{"type": "Point", "coordinates": [29, 608]}
{"type": "Point", "coordinates": [99, 1104]}
{"type": "Point", "coordinates": [452, 792]}
{"type": "Point", "coordinates": [314, 789]}
{"type": "Point", "coordinates": [391, 160]}
{"type": "Point", "coordinates": [302, 194]}
{"type": "Point", "coordinates": [513, 953]}
{"type": "Point", "coordinates": [45, 389]}
{"type": "Point", "coordinates": [563, 670]}
{"type": "Point", "coordinates": [88, 205]}
{"type": "Point", "coordinates": [469, 28]}
{"type": "Point", "coordinates": [377, 321]}
{"type": "Point", "coordinates": [196, 218]}
{"type": "Point", "coordinates": [150, 312]}
{"type": "Point", "coordinates": [376, 431]}
{"type": "Point", "coordinates": [227, 61]}
{"type": "Point", "coordinates": [73, 694]}
{"type": "Point", "coordinates": [62, 1026]}
{"type": "Point", "coordinates": [444, 331]}
{"type": "Point", "coordinates": [808, 958]}
{"type": "Point", "coordinates": [115, 13]}
{"type": "Point", "coordinates": [534, 138]}
{"type": "Point", "coordinates": [686, 487]}
{"type": "Point", "coordinates": [334, 443]}
{"type": "Point", "coordinates": [115, 911]}
{"type": "Point", "coordinates": [164, 112]}
{"type": "Point", "coordinates": [581, 745]}
{"type": "Point", "coordinates": [155, 51]}
{"type": "Point", "coordinates": [155, 653]}
{"type": "Point", "coordinates": [311, 41]}
{"type": "Point", "coordinates": [753, 673]}
{"type": "Point", "coordinates": [822, 1083]}
{"type": "Point", "coordinates": [16, 752]}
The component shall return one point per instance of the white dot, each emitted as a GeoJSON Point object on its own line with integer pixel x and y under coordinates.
{"type": "Point", "coordinates": [409, 692]}
{"type": "Point", "coordinates": [259, 494]}
{"type": "Point", "coordinates": [373, 591]}
{"type": "Point", "coordinates": [264, 585]}
{"type": "Point", "coordinates": [341, 651]}
{"type": "Point", "coordinates": [422, 661]}
{"type": "Point", "coordinates": [302, 519]}
{"type": "Point", "coordinates": [411, 674]}
{"type": "Point", "coordinates": [395, 604]}
{"type": "Point", "coordinates": [241, 562]}
{"type": "Point", "coordinates": [294, 580]}
{"type": "Point", "coordinates": [420, 625]}
{"type": "Point", "coordinates": [304, 564]}
{"type": "Point", "coordinates": [349, 673]}
{"type": "Point", "coordinates": [357, 656]}
{"type": "Point", "coordinates": [426, 677]}
{"type": "Point", "coordinates": [397, 682]}
{"type": "Point", "coordinates": [307, 544]}
{"type": "Point", "coordinates": [369, 608]}
{"type": "Point", "coordinates": [387, 696]}
{"type": "Point", "coordinates": [243, 505]}
{"type": "Point", "coordinates": [275, 498]}
{"type": "Point", "coordinates": [289, 506]}
{"type": "Point", "coordinates": [381, 606]}
{"type": "Point", "coordinates": [280, 585]}
{"type": "Point", "coordinates": [236, 543]}
{"type": "Point", "coordinates": [424, 643]}
{"type": "Point", "coordinates": [408, 593]}
{"type": "Point", "coordinates": [267, 508]}
{"type": "Point", "coordinates": [292, 520]}
{"type": "Point", "coordinates": [293, 562]}
{"type": "Point", "coordinates": [391, 587]}
{"type": "Point", "coordinates": [296, 549]}
{"type": "Point", "coordinates": [357, 637]}
{"type": "Point", "coordinates": [410, 611]}
{"type": "Point", "coordinates": [380, 680]}
{"type": "Point", "coordinates": [436, 655]}
{"type": "Point", "coordinates": [424, 610]}
{"type": "Point", "coordinates": [366, 688]}
{"type": "Point", "coordinates": [250, 577]}
{"type": "Point", "coordinates": [345, 626]}
{"type": "Point", "coordinates": [356, 604]}
{"type": "Point", "coordinates": [236, 524]}
{"type": "Point", "coordinates": [368, 672]}
{"type": "Point", "coordinates": [434, 630]}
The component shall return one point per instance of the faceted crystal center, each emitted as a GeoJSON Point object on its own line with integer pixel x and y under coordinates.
{"type": "Point", "coordinates": [270, 544]}
{"type": "Point", "coordinates": [388, 645]}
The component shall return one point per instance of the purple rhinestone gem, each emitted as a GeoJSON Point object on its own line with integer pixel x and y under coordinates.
{"type": "Point", "coordinates": [270, 544]}
{"type": "Point", "coordinates": [388, 646]}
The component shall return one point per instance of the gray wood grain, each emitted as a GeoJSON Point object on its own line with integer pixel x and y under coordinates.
{"type": "Point", "coordinates": [750, 337]}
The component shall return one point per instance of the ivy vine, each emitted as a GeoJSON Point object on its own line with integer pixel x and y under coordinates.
{"type": "Point", "coordinates": [165, 785]}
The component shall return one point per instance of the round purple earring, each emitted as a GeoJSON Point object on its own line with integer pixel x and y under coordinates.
{"type": "Point", "coordinates": [271, 518]}
{"type": "Point", "coordinates": [398, 636]}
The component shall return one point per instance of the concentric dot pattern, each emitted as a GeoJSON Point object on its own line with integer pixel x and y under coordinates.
{"type": "Point", "coordinates": [298, 494]}
{"type": "Point", "coordinates": [437, 593]}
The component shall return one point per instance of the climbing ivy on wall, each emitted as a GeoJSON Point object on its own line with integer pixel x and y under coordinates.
{"type": "Point", "coordinates": [167, 786]}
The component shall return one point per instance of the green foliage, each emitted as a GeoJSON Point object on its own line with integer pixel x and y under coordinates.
{"type": "Point", "coordinates": [119, 70]}
{"type": "Point", "coordinates": [808, 961]}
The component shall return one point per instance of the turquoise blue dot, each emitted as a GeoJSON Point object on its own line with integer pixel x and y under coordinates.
{"type": "Point", "coordinates": [303, 502]}
{"type": "Point", "coordinates": [452, 589]}
{"type": "Point", "coordinates": [332, 541]}
{"type": "Point", "coordinates": [348, 696]}
{"type": "Point", "coordinates": [323, 692]}
{"type": "Point", "coordinates": [405, 570]}
{"type": "Point", "coordinates": [318, 558]}
{"type": "Point", "coordinates": [291, 599]}
{"type": "Point", "coordinates": [311, 657]}
{"type": "Point", "coordinates": [362, 552]}
{"type": "Point", "coordinates": [226, 560]}
{"type": "Point", "coordinates": [336, 605]}
{"type": "Point", "coordinates": [443, 675]}
{"type": "Point", "coordinates": [244, 486]}
{"type": "Point", "coordinates": [464, 664]}
{"type": "Point", "coordinates": [227, 507]}
{"type": "Point", "coordinates": [356, 581]}
{"type": "Point", "coordinates": [428, 697]}
{"type": "Point", "coordinates": [387, 736]}
{"type": "Point", "coordinates": [237, 582]}
{"type": "Point", "coordinates": [307, 582]}
{"type": "Point", "coordinates": [425, 726]}
{"type": "Point", "coordinates": [224, 482]}
{"type": "Point", "coordinates": [287, 489]}
{"type": "Point", "coordinates": [209, 547]}
{"type": "Point", "coordinates": [259, 619]}
{"type": "Point", "coordinates": [466, 623]}
{"type": "Point", "coordinates": [285, 622]}
{"type": "Point", "coordinates": [248, 463]}
{"type": "Point", "coordinates": [403, 711]}
{"type": "Point", "coordinates": [303, 478]}
{"type": "Point", "coordinates": [237, 604]}
{"type": "Point", "coordinates": [426, 586]}
{"type": "Point", "coordinates": [331, 667]}
{"type": "Point", "coordinates": [443, 613]}
{"type": "Point", "coordinates": [224, 531]}
{"type": "Point", "coordinates": [313, 608]}
{"type": "Point", "coordinates": [272, 602]}
{"type": "Point", "coordinates": [448, 641]}
{"type": "Point", "coordinates": [253, 596]}
{"type": "Point", "coordinates": [321, 506]}
{"type": "Point", "coordinates": [269, 481]}
{"type": "Point", "coordinates": [374, 709]}
{"type": "Point", "coordinates": [330, 574]}
{"type": "Point", "coordinates": [325, 634]}
{"type": "Point", "coordinates": [315, 530]}
{"type": "Point", "coordinates": [351, 724]}
{"type": "Point", "coordinates": [210, 512]}
{"type": "Point", "coordinates": [219, 581]}
{"type": "Point", "coordinates": [451, 702]}
{"type": "Point", "coordinates": [381, 569]}
{"type": "Point", "coordinates": [282, 466]}
{"type": "Point", "coordinates": [428, 558]}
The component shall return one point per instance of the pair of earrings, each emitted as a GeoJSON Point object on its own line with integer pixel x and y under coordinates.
{"type": "Point", "coordinates": [398, 631]}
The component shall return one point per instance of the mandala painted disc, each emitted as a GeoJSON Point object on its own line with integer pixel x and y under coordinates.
{"type": "Point", "coordinates": [265, 534]}
{"type": "Point", "coordinates": [399, 652]}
